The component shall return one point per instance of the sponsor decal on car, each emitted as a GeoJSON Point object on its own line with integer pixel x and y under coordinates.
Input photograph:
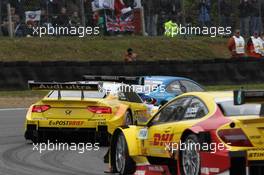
{"type": "Point", "coordinates": [161, 139]}
{"type": "Point", "coordinates": [256, 154]}
{"type": "Point", "coordinates": [207, 170]}
{"type": "Point", "coordinates": [65, 123]}
{"type": "Point", "coordinates": [99, 121]}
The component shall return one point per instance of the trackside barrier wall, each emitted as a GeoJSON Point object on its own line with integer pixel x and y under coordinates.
{"type": "Point", "coordinates": [14, 75]}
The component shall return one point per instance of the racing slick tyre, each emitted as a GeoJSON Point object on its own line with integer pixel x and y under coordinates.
{"type": "Point", "coordinates": [124, 164]}
{"type": "Point", "coordinates": [128, 118]}
{"type": "Point", "coordinates": [190, 157]}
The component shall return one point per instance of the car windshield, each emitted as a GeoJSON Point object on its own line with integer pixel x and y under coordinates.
{"type": "Point", "coordinates": [77, 94]}
{"type": "Point", "coordinates": [229, 109]}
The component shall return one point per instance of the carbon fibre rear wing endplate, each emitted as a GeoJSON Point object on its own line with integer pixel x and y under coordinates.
{"type": "Point", "coordinates": [63, 86]}
{"type": "Point", "coordinates": [248, 96]}
{"type": "Point", "coordinates": [118, 79]}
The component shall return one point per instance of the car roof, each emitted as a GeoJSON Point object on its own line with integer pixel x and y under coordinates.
{"type": "Point", "coordinates": [166, 78]}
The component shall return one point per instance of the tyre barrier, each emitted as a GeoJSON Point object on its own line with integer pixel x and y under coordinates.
{"type": "Point", "coordinates": [14, 75]}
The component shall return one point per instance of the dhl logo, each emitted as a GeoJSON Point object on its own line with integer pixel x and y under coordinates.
{"type": "Point", "coordinates": [162, 139]}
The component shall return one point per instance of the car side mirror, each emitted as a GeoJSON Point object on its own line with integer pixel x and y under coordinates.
{"type": "Point", "coordinates": [151, 101]}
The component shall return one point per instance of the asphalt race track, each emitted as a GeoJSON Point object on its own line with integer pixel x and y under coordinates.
{"type": "Point", "coordinates": [18, 158]}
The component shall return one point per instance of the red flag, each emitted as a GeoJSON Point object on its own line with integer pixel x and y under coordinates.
{"type": "Point", "coordinates": [119, 5]}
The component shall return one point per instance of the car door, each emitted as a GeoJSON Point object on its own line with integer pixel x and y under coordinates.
{"type": "Point", "coordinates": [160, 131]}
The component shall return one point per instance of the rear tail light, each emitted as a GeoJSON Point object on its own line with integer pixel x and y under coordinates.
{"type": "Point", "coordinates": [100, 109]}
{"type": "Point", "coordinates": [40, 108]}
{"type": "Point", "coordinates": [235, 137]}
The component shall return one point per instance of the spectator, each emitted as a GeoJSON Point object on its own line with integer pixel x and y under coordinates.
{"type": "Point", "coordinates": [225, 13]}
{"type": "Point", "coordinates": [236, 45]}
{"type": "Point", "coordinates": [88, 13]}
{"type": "Point", "coordinates": [204, 13]}
{"type": "Point", "coordinates": [255, 20]}
{"type": "Point", "coordinates": [63, 19]}
{"type": "Point", "coordinates": [99, 21]}
{"type": "Point", "coordinates": [261, 38]}
{"type": "Point", "coordinates": [19, 29]}
{"type": "Point", "coordinates": [44, 18]}
{"type": "Point", "coordinates": [15, 20]}
{"type": "Point", "coordinates": [75, 19]}
{"type": "Point", "coordinates": [244, 14]}
{"type": "Point", "coordinates": [29, 28]}
{"type": "Point", "coordinates": [254, 46]}
{"type": "Point", "coordinates": [130, 56]}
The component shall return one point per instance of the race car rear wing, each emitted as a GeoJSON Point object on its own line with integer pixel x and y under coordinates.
{"type": "Point", "coordinates": [63, 86]}
{"type": "Point", "coordinates": [118, 79]}
{"type": "Point", "coordinates": [248, 96]}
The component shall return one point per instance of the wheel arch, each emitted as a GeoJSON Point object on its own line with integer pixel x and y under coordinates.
{"type": "Point", "coordinates": [194, 130]}
{"type": "Point", "coordinates": [113, 145]}
{"type": "Point", "coordinates": [133, 150]}
{"type": "Point", "coordinates": [130, 133]}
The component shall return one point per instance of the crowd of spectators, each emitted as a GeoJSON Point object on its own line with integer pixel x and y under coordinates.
{"type": "Point", "coordinates": [249, 15]}
{"type": "Point", "coordinates": [244, 14]}
{"type": "Point", "coordinates": [252, 47]}
{"type": "Point", "coordinates": [60, 13]}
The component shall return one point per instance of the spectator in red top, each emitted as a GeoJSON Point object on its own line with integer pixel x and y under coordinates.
{"type": "Point", "coordinates": [254, 46]}
{"type": "Point", "coordinates": [130, 56]}
{"type": "Point", "coordinates": [236, 45]}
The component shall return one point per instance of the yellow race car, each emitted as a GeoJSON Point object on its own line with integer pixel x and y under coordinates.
{"type": "Point", "coordinates": [82, 109]}
{"type": "Point", "coordinates": [198, 133]}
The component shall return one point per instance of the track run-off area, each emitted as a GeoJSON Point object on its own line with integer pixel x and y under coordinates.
{"type": "Point", "coordinates": [17, 156]}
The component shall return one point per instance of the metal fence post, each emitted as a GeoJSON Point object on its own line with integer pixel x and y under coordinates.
{"type": "Point", "coordinates": [10, 22]}
{"type": "Point", "coordinates": [182, 6]}
{"type": "Point", "coordinates": [260, 15]}
{"type": "Point", "coordinates": [143, 28]}
{"type": "Point", "coordinates": [1, 18]}
{"type": "Point", "coordinates": [82, 12]}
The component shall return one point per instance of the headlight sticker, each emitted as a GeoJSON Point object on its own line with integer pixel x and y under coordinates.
{"type": "Point", "coordinates": [143, 134]}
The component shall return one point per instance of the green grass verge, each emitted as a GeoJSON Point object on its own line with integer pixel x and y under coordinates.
{"type": "Point", "coordinates": [235, 87]}
{"type": "Point", "coordinates": [209, 88]}
{"type": "Point", "coordinates": [111, 48]}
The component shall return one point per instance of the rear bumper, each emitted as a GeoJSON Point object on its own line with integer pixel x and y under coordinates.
{"type": "Point", "coordinates": [76, 124]}
{"type": "Point", "coordinates": [241, 164]}
{"type": "Point", "coordinates": [33, 130]}
{"type": "Point", "coordinates": [231, 163]}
